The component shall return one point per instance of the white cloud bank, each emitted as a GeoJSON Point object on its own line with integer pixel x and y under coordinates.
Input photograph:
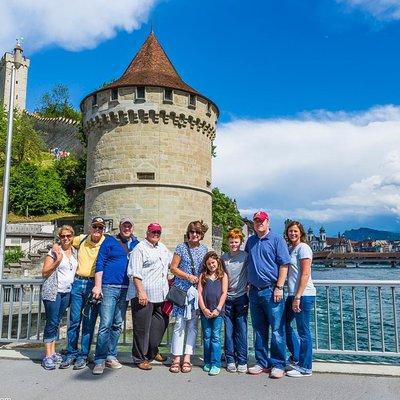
{"type": "Point", "coordinates": [321, 166]}
{"type": "Point", "coordinates": [380, 9]}
{"type": "Point", "coordinates": [72, 24]}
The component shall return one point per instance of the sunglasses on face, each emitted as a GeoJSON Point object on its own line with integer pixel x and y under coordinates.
{"type": "Point", "coordinates": [98, 227]}
{"type": "Point", "coordinates": [195, 232]}
{"type": "Point", "coordinates": [65, 236]}
{"type": "Point", "coordinates": [156, 232]}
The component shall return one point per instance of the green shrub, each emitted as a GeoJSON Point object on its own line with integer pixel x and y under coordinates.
{"type": "Point", "coordinates": [13, 256]}
{"type": "Point", "coordinates": [36, 191]}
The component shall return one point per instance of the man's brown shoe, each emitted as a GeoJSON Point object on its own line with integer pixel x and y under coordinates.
{"type": "Point", "coordinates": [160, 358]}
{"type": "Point", "coordinates": [144, 365]}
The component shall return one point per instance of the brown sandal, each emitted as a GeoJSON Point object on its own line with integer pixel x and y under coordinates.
{"type": "Point", "coordinates": [186, 367]}
{"type": "Point", "coordinates": [174, 368]}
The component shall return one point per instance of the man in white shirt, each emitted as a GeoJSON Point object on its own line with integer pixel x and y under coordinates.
{"type": "Point", "coordinates": [148, 274]}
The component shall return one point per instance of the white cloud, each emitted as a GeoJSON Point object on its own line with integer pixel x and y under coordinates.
{"type": "Point", "coordinates": [380, 9]}
{"type": "Point", "coordinates": [72, 25]}
{"type": "Point", "coordinates": [321, 166]}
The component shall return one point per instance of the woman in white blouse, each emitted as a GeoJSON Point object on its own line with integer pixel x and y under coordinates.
{"type": "Point", "coordinates": [59, 271]}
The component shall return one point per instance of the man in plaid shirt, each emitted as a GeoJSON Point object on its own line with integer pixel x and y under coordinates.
{"type": "Point", "coordinates": [148, 273]}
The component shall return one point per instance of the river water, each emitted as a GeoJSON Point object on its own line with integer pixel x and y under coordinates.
{"type": "Point", "coordinates": [375, 330]}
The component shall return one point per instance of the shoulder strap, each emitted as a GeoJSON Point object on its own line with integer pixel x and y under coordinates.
{"type": "Point", "coordinates": [123, 245]}
{"type": "Point", "coordinates": [82, 241]}
{"type": "Point", "coordinates": [191, 258]}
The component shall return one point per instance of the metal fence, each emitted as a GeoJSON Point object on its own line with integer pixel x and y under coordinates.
{"type": "Point", "coordinates": [351, 317]}
{"type": "Point", "coordinates": [357, 317]}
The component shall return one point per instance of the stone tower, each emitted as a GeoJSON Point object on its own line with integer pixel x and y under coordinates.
{"type": "Point", "coordinates": [21, 80]}
{"type": "Point", "coordinates": [149, 147]}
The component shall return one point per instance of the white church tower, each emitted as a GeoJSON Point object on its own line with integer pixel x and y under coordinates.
{"type": "Point", "coordinates": [21, 79]}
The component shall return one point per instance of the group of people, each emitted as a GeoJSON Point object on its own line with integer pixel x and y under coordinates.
{"type": "Point", "coordinates": [98, 274]}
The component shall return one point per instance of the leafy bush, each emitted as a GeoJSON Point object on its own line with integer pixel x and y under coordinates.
{"type": "Point", "coordinates": [13, 256]}
{"type": "Point", "coordinates": [72, 173]}
{"type": "Point", "coordinates": [27, 143]}
{"type": "Point", "coordinates": [56, 103]}
{"type": "Point", "coordinates": [36, 191]}
{"type": "Point", "coordinates": [225, 215]}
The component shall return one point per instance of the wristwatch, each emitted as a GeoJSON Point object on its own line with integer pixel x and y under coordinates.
{"type": "Point", "coordinates": [279, 287]}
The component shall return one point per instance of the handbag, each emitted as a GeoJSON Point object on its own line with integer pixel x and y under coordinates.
{"type": "Point", "coordinates": [177, 295]}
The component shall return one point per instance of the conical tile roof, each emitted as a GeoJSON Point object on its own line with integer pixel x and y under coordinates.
{"type": "Point", "coordinates": [151, 67]}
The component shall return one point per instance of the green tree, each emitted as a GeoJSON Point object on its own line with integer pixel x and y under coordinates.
{"type": "Point", "coordinates": [72, 173]}
{"type": "Point", "coordinates": [56, 103]}
{"type": "Point", "coordinates": [225, 215]}
{"type": "Point", "coordinates": [27, 143]}
{"type": "Point", "coordinates": [36, 191]}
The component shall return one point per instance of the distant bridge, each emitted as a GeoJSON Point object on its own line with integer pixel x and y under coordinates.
{"type": "Point", "coordinates": [341, 259]}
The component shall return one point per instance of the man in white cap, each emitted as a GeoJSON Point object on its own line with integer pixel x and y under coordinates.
{"type": "Point", "coordinates": [148, 270]}
{"type": "Point", "coordinates": [111, 286]}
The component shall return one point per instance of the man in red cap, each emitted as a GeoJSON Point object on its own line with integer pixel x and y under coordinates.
{"type": "Point", "coordinates": [148, 273]}
{"type": "Point", "coordinates": [267, 266]}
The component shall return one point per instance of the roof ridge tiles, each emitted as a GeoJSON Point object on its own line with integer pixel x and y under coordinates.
{"type": "Point", "coordinates": [151, 66]}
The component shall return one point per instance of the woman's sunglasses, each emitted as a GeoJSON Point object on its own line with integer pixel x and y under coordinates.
{"type": "Point", "coordinates": [65, 236]}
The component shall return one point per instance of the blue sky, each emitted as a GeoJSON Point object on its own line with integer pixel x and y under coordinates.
{"type": "Point", "coordinates": [316, 83]}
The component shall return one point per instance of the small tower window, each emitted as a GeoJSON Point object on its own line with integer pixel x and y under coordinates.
{"type": "Point", "coordinates": [208, 109]}
{"type": "Point", "coordinates": [146, 176]}
{"type": "Point", "coordinates": [140, 93]}
{"type": "Point", "coordinates": [168, 95]}
{"type": "Point", "coordinates": [94, 100]}
{"type": "Point", "coordinates": [192, 100]}
{"type": "Point", "coordinates": [114, 94]}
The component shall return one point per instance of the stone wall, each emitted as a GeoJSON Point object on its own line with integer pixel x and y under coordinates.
{"type": "Point", "coordinates": [60, 132]}
{"type": "Point", "coordinates": [150, 160]}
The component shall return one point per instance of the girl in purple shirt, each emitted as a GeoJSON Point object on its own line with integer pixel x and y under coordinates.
{"type": "Point", "coordinates": [213, 290]}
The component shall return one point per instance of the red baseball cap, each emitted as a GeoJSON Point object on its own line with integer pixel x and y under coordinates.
{"type": "Point", "coordinates": [261, 215]}
{"type": "Point", "coordinates": [153, 227]}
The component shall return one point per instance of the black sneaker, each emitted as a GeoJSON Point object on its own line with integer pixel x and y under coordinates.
{"type": "Point", "coordinates": [80, 363]}
{"type": "Point", "coordinates": [67, 362]}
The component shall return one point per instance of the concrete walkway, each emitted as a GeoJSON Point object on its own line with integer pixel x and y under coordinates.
{"type": "Point", "coordinates": [21, 377]}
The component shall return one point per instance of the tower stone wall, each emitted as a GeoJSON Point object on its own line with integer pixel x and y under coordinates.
{"type": "Point", "coordinates": [21, 80]}
{"type": "Point", "coordinates": [149, 158]}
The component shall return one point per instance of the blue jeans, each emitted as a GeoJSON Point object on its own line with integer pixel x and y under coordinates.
{"type": "Point", "coordinates": [54, 313]}
{"type": "Point", "coordinates": [300, 346]}
{"type": "Point", "coordinates": [265, 313]}
{"type": "Point", "coordinates": [212, 340]}
{"type": "Point", "coordinates": [112, 314]}
{"type": "Point", "coordinates": [236, 311]}
{"type": "Point", "coordinates": [81, 290]}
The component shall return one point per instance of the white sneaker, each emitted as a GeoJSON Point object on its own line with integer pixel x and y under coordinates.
{"type": "Point", "coordinates": [113, 364]}
{"type": "Point", "coordinates": [242, 368]}
{"type": "Point", "coordinates": [257, 369]}
{"type": "Point", "coordinates": [294, 373]}
{"type": "Point", "coordinates": [98, 369]}
{"type": "Point", "coordinates": [277, 373]}
{"type": "Point", "coordinates": [231, 367]}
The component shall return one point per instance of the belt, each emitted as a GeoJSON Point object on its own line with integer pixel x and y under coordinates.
{"type": "Point", "coordinates": [85, 278]}
{"type": "Point", "coordinates": [262, 287]}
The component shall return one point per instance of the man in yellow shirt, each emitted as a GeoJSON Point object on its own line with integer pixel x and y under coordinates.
{"type": "Point", "coordinates": [88, 248]}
